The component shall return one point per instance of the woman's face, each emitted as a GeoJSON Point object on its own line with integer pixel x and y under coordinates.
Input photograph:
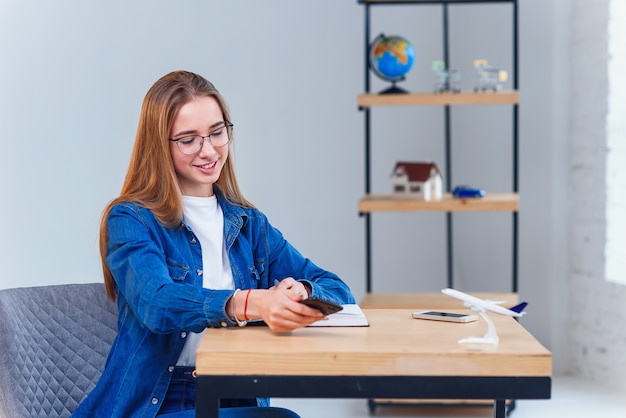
{"type": "Point", "coordinates": [198, 171]}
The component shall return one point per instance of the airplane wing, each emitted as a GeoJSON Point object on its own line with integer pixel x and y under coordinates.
{"type": "Point", "coordinates": [480, 305]}
{"type": "Point", "coordinates": [497, 302]}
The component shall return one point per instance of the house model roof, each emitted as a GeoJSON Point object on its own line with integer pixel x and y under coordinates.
{"type": "Point", "coordinates": [416, 171]}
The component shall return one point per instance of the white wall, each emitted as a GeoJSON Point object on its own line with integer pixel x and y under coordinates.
{"type": "Point", "coordinates": [598, 338]}
{"type": "Point", "coordinates": [73, 75]}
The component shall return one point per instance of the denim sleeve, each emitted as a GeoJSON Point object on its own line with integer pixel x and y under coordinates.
{"type": "Point", "coordinates": [151, 271]}
{"type": "Point", "coordinates": [287, 261]}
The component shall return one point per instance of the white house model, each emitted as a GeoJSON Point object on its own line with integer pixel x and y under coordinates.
{"type": "Point", "coordinates": [417, 180]}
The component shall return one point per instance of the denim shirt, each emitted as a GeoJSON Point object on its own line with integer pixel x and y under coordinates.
{"type": "Point", "coordinates": [160, 298]}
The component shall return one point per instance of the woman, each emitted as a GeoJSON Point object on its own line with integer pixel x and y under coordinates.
{"type": "Point", "coordinates": [183, 250]}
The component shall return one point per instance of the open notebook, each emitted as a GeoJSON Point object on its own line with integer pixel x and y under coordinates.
{"type": "Point", "coordinates": [350, 316]}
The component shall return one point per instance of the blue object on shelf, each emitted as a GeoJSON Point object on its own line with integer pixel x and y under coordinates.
{"type": "Point", "coordinates": [467, 192]}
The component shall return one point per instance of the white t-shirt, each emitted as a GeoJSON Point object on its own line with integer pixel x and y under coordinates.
{"type": "Point", "coordinates": [206, 219]}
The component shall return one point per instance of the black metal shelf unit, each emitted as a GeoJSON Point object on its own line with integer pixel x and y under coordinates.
{"type": "Point", "coordinates": [445, 4]}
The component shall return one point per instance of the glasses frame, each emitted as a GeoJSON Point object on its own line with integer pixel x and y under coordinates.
{"type": "Point", "coordinates": [229, 131]}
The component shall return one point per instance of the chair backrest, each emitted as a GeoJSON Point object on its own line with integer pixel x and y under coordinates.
{"type": "Point", "coordinates": [54, 341]}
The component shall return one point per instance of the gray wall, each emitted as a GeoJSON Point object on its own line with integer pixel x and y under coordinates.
{"type": "Point", "coordinates": [73, 75]}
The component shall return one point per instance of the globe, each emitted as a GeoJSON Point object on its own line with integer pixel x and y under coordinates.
{"type": "Point", "coordinates": [391, 58]}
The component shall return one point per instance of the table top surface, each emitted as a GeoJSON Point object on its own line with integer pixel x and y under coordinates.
{"type": "Point", "coordinates": [394, 344]}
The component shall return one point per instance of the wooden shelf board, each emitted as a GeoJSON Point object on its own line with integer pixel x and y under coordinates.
{"type": "Point", "coordinates": [436, 407]}
{"type": "Point", "coordinates": [438, 403]}
{"type": "Point", "coordinates": [407, 300]}
{"type": "Point", "coordinates": [492, 202]}
{"type": "Point", "coordinates": [438, 99]}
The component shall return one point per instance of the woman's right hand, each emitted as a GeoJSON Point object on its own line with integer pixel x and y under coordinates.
{"type": "Point", "coordinates": [279, 307]}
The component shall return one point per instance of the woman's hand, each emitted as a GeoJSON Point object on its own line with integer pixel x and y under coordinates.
{"type": "Point", "coordinates": [294, 286]}
{"type": "Point", "coordinates": [279, 306]}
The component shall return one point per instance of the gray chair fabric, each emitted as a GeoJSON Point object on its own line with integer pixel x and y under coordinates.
{"type": "Point", "coordinates": [54, 341]}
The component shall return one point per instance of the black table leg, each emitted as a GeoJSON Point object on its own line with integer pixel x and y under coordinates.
{"type": "Point", "coordinates": [499, 408]}
{"type": "Point", "coordinates": [207, 405]}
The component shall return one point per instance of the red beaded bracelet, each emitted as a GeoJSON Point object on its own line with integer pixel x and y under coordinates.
{"type": "Point", "coordinates": [245, 306]}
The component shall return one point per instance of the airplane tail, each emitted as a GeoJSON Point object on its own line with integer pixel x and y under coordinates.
{"type": "Point", "coordinates": [519, 308]}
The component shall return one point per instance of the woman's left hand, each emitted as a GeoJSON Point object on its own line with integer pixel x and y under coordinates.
{"type": "Point", "coordinates": [294, 286]}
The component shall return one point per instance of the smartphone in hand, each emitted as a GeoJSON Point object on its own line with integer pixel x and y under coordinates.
{"type": "Point", "coordinates": [326, 308]}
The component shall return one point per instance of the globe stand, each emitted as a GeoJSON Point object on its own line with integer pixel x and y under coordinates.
{"type": "Point", "coordinates": [394, 89]}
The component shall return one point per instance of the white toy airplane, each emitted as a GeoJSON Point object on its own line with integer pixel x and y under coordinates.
{"type": "Point", "coordinates": [482, 306]}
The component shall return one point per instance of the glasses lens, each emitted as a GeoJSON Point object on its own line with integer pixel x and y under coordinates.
{"type": "Point", "coordinates": [220, 137]}
{"type": "Point", "coordinates": [190, 144]}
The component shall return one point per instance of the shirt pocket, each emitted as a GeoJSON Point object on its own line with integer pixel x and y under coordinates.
{"type": "Point", "coordinates": [177, 271]}
{"type": "Point", "coordinates": [257, 272]}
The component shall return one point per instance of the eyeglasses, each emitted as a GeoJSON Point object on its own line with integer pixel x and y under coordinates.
{"type": "Point", "coordinates": [192, 144]}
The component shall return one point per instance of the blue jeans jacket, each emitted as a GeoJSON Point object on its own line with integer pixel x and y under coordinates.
{"type": "Point", "coordinates": [160, 298]}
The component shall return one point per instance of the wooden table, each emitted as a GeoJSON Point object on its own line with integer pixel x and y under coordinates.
{"type": "Point", "coordinates": [395, 357]}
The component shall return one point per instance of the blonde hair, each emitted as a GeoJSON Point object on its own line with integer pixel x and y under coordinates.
{"type": "Point", "coordinates": [151, 180]}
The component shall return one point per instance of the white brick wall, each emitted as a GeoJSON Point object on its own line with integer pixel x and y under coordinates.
{"type": "Point", "coordinates": [597, 314]}
{"type": "Point", "coordinates": [615, 269]}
